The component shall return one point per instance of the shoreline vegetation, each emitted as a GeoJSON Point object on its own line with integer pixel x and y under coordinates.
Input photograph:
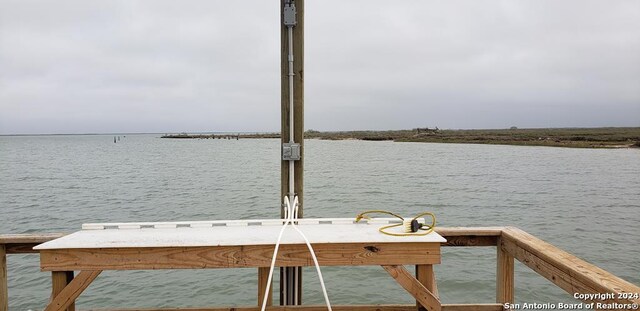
{"type": "Point", "coordinates": [605, 137]}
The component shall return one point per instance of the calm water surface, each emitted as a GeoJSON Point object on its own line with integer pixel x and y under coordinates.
{"type": "Point", "coordinates": [584, 201]}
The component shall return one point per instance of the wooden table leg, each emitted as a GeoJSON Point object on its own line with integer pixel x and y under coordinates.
{"type": "Point", "coordinates": [65, 288]}
{"type": "Point", "coordinates": [263, 276]}
{"type": "Point", "coordinates": [427, 277]}
{"type": "Point", "coordinates": [60, 280]}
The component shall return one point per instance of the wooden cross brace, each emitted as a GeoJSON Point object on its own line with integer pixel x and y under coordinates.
{"type": "Point", "coordinates": [422, 294]}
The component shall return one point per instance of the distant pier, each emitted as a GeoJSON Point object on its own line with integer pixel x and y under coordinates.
{"type": "Point", "coordinates": [202, 136]}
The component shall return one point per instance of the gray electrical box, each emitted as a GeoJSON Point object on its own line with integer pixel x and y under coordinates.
{"type": "Point", "coordinates": [290, 152]}
{"type": "Point", "coordinates": [290, 15]}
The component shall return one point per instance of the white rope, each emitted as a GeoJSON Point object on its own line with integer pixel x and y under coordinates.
{"type": "Point", "coordinates": [291, 215]}
{"type": "Point", "coordinates": [275, 254]}
{"type": "Point", "coordinates": [313, 254]}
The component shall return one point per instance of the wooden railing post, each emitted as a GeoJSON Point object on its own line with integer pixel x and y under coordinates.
{"type": "Point", "coordinates": [504, 275]}
{"type": "Point", "coordinates": [4, 292]}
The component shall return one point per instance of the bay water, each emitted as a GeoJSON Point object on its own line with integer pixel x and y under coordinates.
{"type": "Point", "coordinates": [585, 201]}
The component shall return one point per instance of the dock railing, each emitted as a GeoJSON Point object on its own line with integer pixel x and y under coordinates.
{"type": "Point", "coordinates": [566, 271]}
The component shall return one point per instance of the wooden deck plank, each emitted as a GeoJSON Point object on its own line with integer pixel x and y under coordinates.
{"type": "Point", "coordinates": [445, 307]}
{"type": "Point", "coordinates": [425, 297]}
{"type": "Point", "coordinates": [238, 256]}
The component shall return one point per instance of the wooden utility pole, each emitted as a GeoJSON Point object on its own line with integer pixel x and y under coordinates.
{"type": "Point", "coordinates": [291, 278]}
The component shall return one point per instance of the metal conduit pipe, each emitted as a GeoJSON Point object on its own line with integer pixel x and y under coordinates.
{"type": "Point", "coordinates": [291, 140]}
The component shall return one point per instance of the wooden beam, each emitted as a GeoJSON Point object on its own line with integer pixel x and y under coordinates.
{"type": "Point", "coordinates": [425, 297]}
{"type": "Point", "coordinates": [4, 287]}
{"type": "Point", "coordinates": [568, 272]}
{"type": "Point", "coordinates": [469, 231]}
{"type": "Point", "coordinates": [28, 238]}
{"type": "Point", "coordinates": [24, 243]}
{"type": "Point", "coordinates": [66, 296]}
{"type": "Point", "coordinates": [504, 276]}
{"type": "Point", "coordinates": [445, 307]}
{"type": "Point", "coordinates": [252, 256]}
{"type": "Point", "coordinates": [263, 277]}
{"type": "Point", "coordinates": [472, 240]}
{"type": "Point", "coordinates": [474, 236]}
{"type": "Point", "coordinates": [21, 248]}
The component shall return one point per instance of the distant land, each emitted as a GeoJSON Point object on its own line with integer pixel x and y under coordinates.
{"type": "Point", "coordinates": [604, 137]}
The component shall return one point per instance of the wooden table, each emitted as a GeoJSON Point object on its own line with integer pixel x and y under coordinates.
{"type": "Point", "coordinates": [236, 244]}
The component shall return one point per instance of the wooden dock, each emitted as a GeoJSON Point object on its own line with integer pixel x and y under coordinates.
{"type": "Point", "coordinates": [566, 271]}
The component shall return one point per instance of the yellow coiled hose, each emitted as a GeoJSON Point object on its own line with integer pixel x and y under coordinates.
{"type": "Point", "coordinates": [405, 223]}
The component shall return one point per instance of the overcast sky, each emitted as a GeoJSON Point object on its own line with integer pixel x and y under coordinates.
{"type": "Point", "coordinates": [212, 65]}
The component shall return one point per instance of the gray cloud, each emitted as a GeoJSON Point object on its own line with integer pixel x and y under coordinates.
{"type": "Point", "coordinates": [162, 66]}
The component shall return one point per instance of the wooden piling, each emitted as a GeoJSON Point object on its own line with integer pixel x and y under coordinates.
{"type": "Point", "coordinates": [298, 85]}
{"type": "Point", "coordinates": [293, 273]}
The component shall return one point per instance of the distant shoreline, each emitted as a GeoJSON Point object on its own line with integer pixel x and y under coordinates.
{"type": "Point", "coordinates": [608, 137]}
{"type": "Point", "coordinates": [602, 137]}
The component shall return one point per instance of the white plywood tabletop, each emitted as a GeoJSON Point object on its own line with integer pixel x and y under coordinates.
{"type": "Point", "coordinates": [231, 232]}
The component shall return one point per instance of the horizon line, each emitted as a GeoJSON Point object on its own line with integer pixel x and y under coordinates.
{"type": "Point", "coordinates": [270, 132]}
